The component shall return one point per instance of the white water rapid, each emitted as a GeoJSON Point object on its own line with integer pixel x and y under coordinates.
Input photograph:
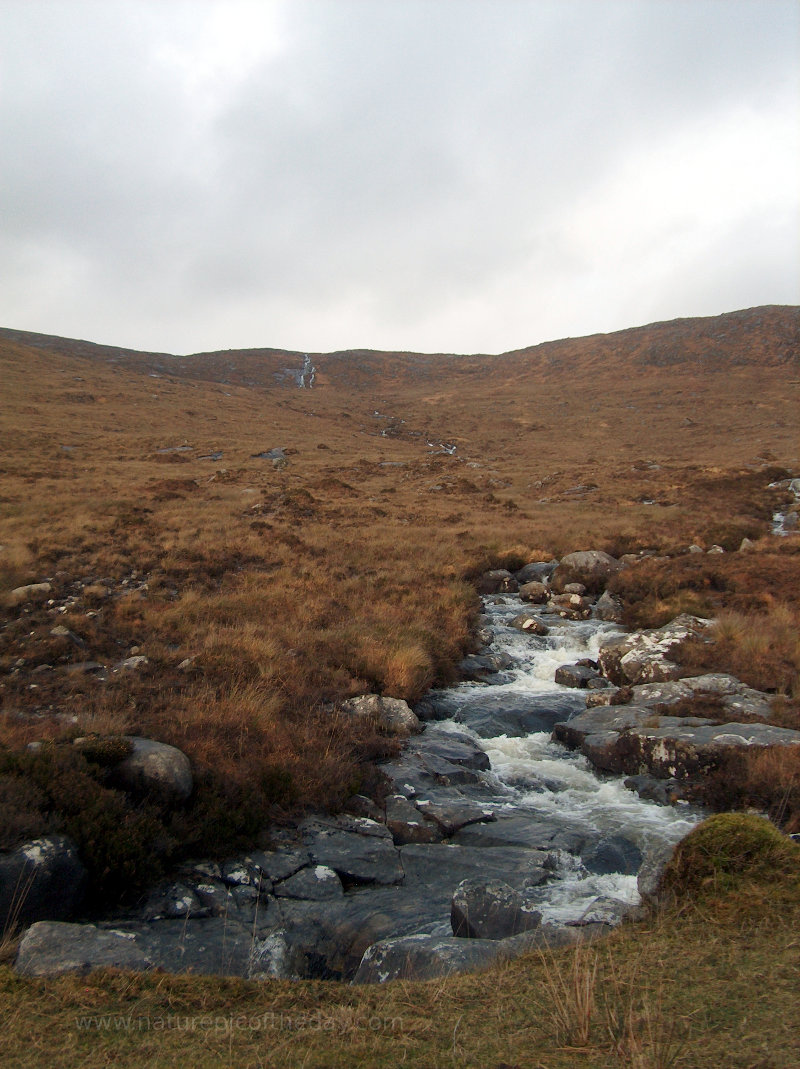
{"type": "Point", "coordinates": [538, 780]}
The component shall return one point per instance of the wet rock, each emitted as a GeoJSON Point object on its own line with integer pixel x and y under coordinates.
{"type": "Point", "coordinates": [154, 767]}
{"type": "Point", "coordinates": [408, 824]}
{"type": "Point", "coordinates": [592, 568]}
{"type": "Point", "coordinates": [608, 912]}
{"type": "Point", "coordinates": [519, 831]}
{"type": "Point", "coordinates": [608, 608]}
{"type": "Point", "coordinates": [661, 791]}
{"type": "Point", "coordinates": [538, 571]}
{"type": "Point", "coordinates": [601, 696]}
{"type": "Point", "coordinates": [452, 816]}
{"type": "Point", "coordinates": [635, 740]}
{"type": "Point", "coordinates": [651, 871]}
{"type": "Point", "coordinates": [531, 624]}
{"type": "Point", "coordinates": [41, 880]}
{"type": "Point", "coordinates": [643, 657]}
{"type": "Point", "coordinates": [613, 854]}
{"type": "Point", "coordinates": [356, 858]}
{"type": "Point", "coordinates": [575, 675]}
{"type": "Point", "coordinates": [491, 909]}
{"type": "Point", "coordinates": [52, 948]}
{"type": "Point", "coordinates": [571, 606]}
{"type": "Point", "coordinates": [392, 714]}
{"type": "Point", "coordinates": [317, 884]}
{"type": "Point", "coordinates": [481, 666]}
{"type": "Point", "coordinates": [534, 592]}
{"type": "Point", "coordinates": [457, 749]}
{"type": "Point", "coordinates": [497, 581]}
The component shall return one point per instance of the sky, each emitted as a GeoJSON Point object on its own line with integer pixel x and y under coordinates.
{"type": "Point", "coordinates": [428, 175]}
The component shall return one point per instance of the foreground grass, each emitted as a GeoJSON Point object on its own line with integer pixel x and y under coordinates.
{"type": "Point", "coordinates": [711, 985]}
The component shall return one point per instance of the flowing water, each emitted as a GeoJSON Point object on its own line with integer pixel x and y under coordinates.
{"type": "Point", "coordinates": [536, 778]}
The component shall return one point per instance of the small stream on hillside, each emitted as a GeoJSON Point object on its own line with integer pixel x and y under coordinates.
{"type": "Point", "coordinates": [535, 780]}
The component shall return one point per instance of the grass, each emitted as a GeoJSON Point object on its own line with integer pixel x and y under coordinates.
{"type": "Point", "coordinates": [263, 595]}
{"type": "Point", "coordinates": [706, 982]}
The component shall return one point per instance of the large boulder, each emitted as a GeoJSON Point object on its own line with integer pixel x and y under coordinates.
{"type": "Point", "coordinates": [534, 592]}
{"type": "Point", "coordinates": [391, 714]}
{"type": "Point", "coordinates": [497, 581]}
{"type": "Point", "coordinates": [491, 909]}
{"type": "Point", "coordinates": [643, 657]}
{"type": "Point", "coordinates": [155, 768]}
{"type": "Point", "coordinates": [530, 624]}
{"type": "Point", "coordinates": [40, 880]}
{"type": "Point", "coordinates": [33, 593]}
{"type": "Point", "coordinates": [591, 567]}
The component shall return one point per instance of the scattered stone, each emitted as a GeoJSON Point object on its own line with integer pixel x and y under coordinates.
{"type": "Point", "coordinates": [571, 606]}
{"type": "Point", "coordinates": [35, 593]}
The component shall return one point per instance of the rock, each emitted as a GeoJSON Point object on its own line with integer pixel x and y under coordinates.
{"type": "Point", "coordinates": [455, 748]}
{"type": "Point", "coordinates": [571, 606]}
{"type": "Point", "coordinates": [479, 666]}
{"type": "Point", "coordinates": [716, 549]}
{"type": "Point", "coordinates": [534, 592]}
{"type": "Point", "coordinates": [608, 608]}
{"type": "Point", "coordinates": [490, 909]}
{"type": "Point", "coordinates": [278, 865]}
{"type": "Point", "coordinates": [174, 900]}
{"type": "Point", "coordinates": [532, 624]}
{"type": "Point", "coordinates": [601, 696]}
{"type": "Point", "coordinates": [746, 545]}
{"type": "Point", "coordinates": [452, 816]}
{"type": "Point", "coordinates": [155, 768]}
{"type": "Point", "coordinates": [408, 824]}
{"type": "Point", "coordinates": [575, 675]}
{"type": "Point", "coordinates": [426, 957]}
{"type": "Point", "coordinates": [651, 871]}
{"type": "Point", "coordinates": [52, 948]}
{"type": "Point", "coordinates": [392, 714]}
{"type": "Point", "coordinates": [592, 568]}
{"type": "Point", "coordinates": [497, 581]}
{"type": "Point", "coordinates": [694, 548]}
{"type": "Point", "coordinates": [735, 698]}
{"type": "Point", "coordinates": [316, 884]}
{"type": "Point", "coordinates": [539, 571]}
{"type": "Point", "coordinates": [635, 740]}
{"type": "Point", "coordinates": [642, 657]}
{"type": "Point", "coordinates": [606, 911]}
{"type": "Point", "coordinates": [34, 593]}
{"type": "Point", "coordinates": [356, 858]}
{"type": "Point", "coordinates": [133, 664]}
{"type": "Point", "coordinates": [574, 588]}
{"type": "Point", "coordinates": [661, 791]}
{"type": "Point", "coordinates": [41, 880]}
{"type": "Point", "coordinates": [359, 805]}
{"type": "Point", "coordinates": [611, 855]}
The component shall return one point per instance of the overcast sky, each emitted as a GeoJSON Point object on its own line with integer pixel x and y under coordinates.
{"type": "Point", "coordinates": [434, 175]}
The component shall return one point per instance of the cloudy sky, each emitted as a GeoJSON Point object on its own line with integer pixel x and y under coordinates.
{"type": "Point", "coordinates": [434, 175]}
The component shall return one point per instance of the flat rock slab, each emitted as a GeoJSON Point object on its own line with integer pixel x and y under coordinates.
{"type": "Point", "coordinates": [520, 831]}
{"type": "Point", "coordinates": [356, 857]}
{"type": "Point", "coordinates": [440, 867]}
{"type": "Point", "coordinates": [426, 957]}
{"type": "Point", "coordinates": [52, 948]}
{"type": "Point", "coordinates": [635, 740]}
{"type": "Point", "coordinates": [317, 883]}
{"type": "Point", "coordinates": [452, 816]}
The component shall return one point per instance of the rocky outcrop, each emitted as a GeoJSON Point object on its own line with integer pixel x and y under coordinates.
{"type": "Point", "coordinates": [41, 880]}
{"type": "Point", "coordinates": [634, 739]}
{"type": "Point", "coordinates": [491, 909]}
{"type": "Point", "coordinates": [643, 657]}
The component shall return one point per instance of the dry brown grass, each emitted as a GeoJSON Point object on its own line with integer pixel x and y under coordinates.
{"type": "Point", "coordinates": [288, 588]}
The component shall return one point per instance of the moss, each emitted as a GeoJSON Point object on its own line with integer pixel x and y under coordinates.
{"type": "Point", "coordinates": [727, 852]}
